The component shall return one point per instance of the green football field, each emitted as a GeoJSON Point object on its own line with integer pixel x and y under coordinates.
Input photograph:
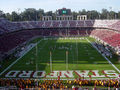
{"type": "Point", "coordinates": [63, 54]}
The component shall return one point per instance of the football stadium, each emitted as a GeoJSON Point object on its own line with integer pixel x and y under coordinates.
{"type": "Point", "coordinates": [61, 50]}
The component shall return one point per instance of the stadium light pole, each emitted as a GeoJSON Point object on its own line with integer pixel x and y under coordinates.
{"type": "Point", "coordinates": [50, 61]}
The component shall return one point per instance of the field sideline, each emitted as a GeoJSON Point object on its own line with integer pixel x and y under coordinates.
{"type": "Point", "coordinates": [78, 52]}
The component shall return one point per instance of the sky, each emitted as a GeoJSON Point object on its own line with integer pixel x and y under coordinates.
{"type": "Point", "coordinates": [53, 5]}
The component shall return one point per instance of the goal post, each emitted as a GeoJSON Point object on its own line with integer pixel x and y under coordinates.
{"type": "Point", "coordinates": [66, 60]}
{"type": "Point", "coordinates": [50, 61]}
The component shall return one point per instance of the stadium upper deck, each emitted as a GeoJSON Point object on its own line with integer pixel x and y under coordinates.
{"type": "Point", "coordinates": [7, 26]}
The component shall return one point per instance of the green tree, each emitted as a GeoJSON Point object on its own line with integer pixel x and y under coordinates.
{"type": "Point", "coordinates": [105, 14]}
{"type": "Point", "coordinates": [2, 14]}
{"type": "Point", "coordinates": [8, 16]}
{"type": "Point", "coordinates": [74, 15]}
{"type": "Point", "coordinates": [118, 15]}
{"type": "Point", "coordinates": [29, 14]}
{"type": "Point", "coordinates": [14, 16]}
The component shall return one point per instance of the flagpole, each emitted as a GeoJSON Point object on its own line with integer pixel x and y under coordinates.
{"type": "Point", "coordinates": [66, 60]}
{"type": "Point", "coordinates": [50, 61]}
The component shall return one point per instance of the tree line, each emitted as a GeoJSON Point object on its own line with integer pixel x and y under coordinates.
{"type": "Point", "coordinates": [31, 14]}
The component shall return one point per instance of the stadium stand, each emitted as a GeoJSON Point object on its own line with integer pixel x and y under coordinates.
{"type": "Point", "coordinates": [64, 23]}
{"type": "Point", "coordinates": [12, 40]}
{"type": "Point", "coordinates": [54, 33]}
{"type": "Point", "coordinates": [89, 23]}
{"type": "Point", "coordinates": [13, 34]}
{"type": "Point", "coordinates": [103, 23]}
{"type": "Point", "coordinates": [73, 32]}
{"type": "Point", "coordinates": [115, 26]}
{"type": "Point", "coordinates": [80, 24]}
{"type": "Point", "coordinates": [6, 26]}
{"type": "Point", "coordinates": [108, 36]}
{"type": "Point", "coordinates": [18, 84]}
{"type": "Point", "coordinates": [56, 24]}
{"type": "Point", "coordinates": [48, 24]}
{"type": "Point", "coordinates": [72, 23]}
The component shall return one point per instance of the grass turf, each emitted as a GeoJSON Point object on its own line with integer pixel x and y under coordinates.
{"type": "Point", "coordinates": [81, 56]}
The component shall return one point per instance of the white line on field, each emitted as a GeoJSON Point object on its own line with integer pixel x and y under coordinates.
{"type": "Point", "coordinates": [104, 56]}
{"type": "Point", "coordinates": [73, 57]}
{"type": "Point", "coordinates": [18, 59]}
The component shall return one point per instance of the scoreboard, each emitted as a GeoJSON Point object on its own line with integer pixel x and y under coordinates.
{"type": "Point", "coordinates": [64, 11]}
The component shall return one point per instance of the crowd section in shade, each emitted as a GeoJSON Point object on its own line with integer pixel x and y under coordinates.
{"type": "Point", "coordinates": [109, 37]}
{"type": "Point", "coordinates": [58, 84]}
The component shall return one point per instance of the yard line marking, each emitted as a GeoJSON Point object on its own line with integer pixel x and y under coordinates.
{"type": "Point", "coordinates": [104, 56]}
{"type": "Point", "coordinates": [43, 46]}
{"type": "Point", "coordinates": [19, 58]}
{"type": "Point", "coordinates": [76, 50]}
{"type": "Point", "coordinates": [72, 50]}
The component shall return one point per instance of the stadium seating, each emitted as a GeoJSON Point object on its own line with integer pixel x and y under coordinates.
{"type": "Point", "coordinates": [110, 37]}
{"type": "Point", "coordinates": [27, 84]}
{"type": "Point", "coordinates": [13, 34]}
{"type": "Point", "coordinates": [89, 23]}
{"type": "Point", "coordinates": [115, 26]}
{"type": "Point", "coordinates": [6, 26]}
{"type": "Point", "coordinates": [103, 23]}
{"type": "Point", "coordinates": [82, 32]}
{"type": "Point", "coordinates": [64, 23]}
{"type": "Point", "coordinates": [56, 24]}
{"type": "Point", "coordinates": [80, 24]}
{"type": "Point", "coordinates": [54, 33]}
{"type": "Point", "coordinates": [48, 24]}
{"type": "Point", "coordinates": [73, 32]}
{"type": "Point", "coordinates": [10, 41]}
{"type": "Point", "coordinates": [72, 23]}
{"type": "Point", "coordinates": [40, 24]}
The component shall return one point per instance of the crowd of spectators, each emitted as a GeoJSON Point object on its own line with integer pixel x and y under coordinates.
{"type": "Point", "coordinates": [7, 26]}
{"type": "Point", "coordinates": [57, 84]}
{"type": "Point", "coordinates": [103, 49]}
{"type": "Point", "coordinates": [108, 37]}
{"type": "Point", "coordinates": [8, 42]}
{"type": "Point", "coordinates": [69, 23]}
